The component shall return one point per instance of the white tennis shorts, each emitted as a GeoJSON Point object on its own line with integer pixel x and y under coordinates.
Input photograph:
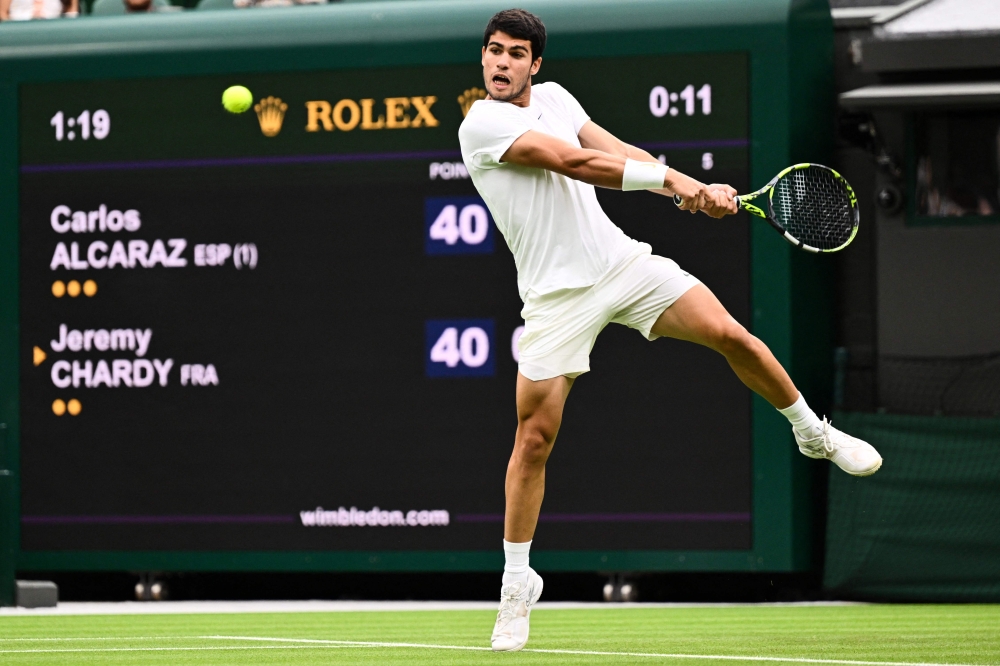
{"type": "Point", "coordinates": [560, 328]}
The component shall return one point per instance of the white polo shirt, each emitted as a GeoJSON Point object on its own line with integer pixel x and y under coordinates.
{"type": "Point", "coordinates": [558, 233]}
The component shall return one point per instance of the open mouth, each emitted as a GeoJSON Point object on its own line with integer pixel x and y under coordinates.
{"type": "Point", "coordinates": [500, 81]}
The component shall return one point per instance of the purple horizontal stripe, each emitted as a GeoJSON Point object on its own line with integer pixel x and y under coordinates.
{"type": "Point", "coordinates": [692, 145]}
{"type": "Point", "coordinates": [243, 161]}
{"type": "Point", "coordinates": [458, 518]}
{"type": "Point", "coordinates": [157, 520]}
{"type": "Point", "coordinates": [328, 159]}
{"type": "Point", "coordinates": [614, 518]}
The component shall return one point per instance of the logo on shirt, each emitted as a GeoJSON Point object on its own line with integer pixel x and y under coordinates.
{"type": "Point", "coordinates": [470, 97]}
{"type": "Point", "coordinates": [391, 113]}
{"type": "Point", "coordinates": [270, 115]}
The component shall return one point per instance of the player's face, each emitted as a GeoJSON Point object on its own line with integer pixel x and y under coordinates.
{"type": "Point", "coordinates": [508, 68]}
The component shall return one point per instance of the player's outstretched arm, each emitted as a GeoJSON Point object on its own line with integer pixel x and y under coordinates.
{"type": "Point", "coordinates": [604, 169]}
{"type": "Point", "coordinates": [542, 151]}
{"type": "Point", "coordinates": [596, 137]}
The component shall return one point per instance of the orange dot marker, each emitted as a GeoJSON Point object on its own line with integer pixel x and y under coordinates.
{"type": "Point", "coordinates": [89, 288]}
{"type": "Point", "coordinates": [73, 288]}
{"type": "Point", "coordinates": [74, 407]}
{"type": "Point", "coordinates": [58, 407]}
{"type": "Point", "coordinates": [58, 289]}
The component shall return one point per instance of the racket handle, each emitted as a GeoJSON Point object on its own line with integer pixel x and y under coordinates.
{"type": "Point", "coordinates": [679, 201]}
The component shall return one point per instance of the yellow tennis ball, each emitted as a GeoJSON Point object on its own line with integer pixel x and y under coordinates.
{"type": "Point", "coordinates": [237, 99]}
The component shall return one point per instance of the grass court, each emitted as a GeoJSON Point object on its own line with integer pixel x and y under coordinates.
{"type": "Point", "coordinates": [793, 634]}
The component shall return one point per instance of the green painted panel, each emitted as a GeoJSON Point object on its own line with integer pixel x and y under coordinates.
{"type": "Point", "coordinates": [790, 54]}
{"type": "Point", "coordinates": [633, 560]}
{"type": "Point", "coordinates": [9, 380]}
{"type": "Point", "coordinates": [675, 26]}
{"type": "Point", "coordinates": [927, 526]}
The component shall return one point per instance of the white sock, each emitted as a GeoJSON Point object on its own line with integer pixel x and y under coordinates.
{"type": "Point", "coordinates": [803, 419]}
{"type": "Point", "coordinates": [515, 566]}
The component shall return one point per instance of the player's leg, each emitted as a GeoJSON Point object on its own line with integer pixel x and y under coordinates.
{"type": "Point", "coordinates": [539, 415]}
{"type": "Point", "coordinates": [699, 317]}
{"type": "Point", "coordinates": [559, 333]}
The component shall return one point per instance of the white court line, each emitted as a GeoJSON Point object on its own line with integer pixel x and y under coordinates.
{"type": "Point", "coordinates": [183, 649]}
{"type": "Point", "coordinates": [318, 606]}
{"type": "Point", "coordinates": [596, 653]}
{"type": "Point", "coordinates": [213, 607]}
{"type": "Point", "coordinates": [104, 638]}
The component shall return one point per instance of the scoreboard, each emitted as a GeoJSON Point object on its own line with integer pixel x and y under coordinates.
{"type": "Point", "coordinates": [294, 331]}
{"type": "Point", "coordinates": [297, 328]}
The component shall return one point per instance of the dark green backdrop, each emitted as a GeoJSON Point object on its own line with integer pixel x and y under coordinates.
{"type": "Point", "coordinates": [927, 526]}
{"type": "Point", "coordinates": [789, 43]}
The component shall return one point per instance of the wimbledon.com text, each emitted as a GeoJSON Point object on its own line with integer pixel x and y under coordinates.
{"type": "Point", "coordinates": [354, 517]}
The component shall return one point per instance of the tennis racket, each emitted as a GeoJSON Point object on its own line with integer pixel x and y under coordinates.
{"type": "Point", "coordinates": [811, 205]}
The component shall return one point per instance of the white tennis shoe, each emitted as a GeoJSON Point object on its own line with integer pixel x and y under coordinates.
{"type": "Point", "coordinates": [510, 633]}
{"type": "Point", "coordinates": [854, 456]}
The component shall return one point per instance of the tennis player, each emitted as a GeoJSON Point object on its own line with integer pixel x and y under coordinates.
{"type": "Point", "coordinates": [535, 157]}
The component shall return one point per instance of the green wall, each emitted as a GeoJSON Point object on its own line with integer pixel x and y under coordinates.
{"type": "Point", "coordinates": [790, 43]}
{"type": "Point", "coordinates": [927, 526]}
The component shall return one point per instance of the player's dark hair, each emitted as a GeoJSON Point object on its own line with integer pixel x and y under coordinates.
{"type": "Point", "coordinates": [519, 24]}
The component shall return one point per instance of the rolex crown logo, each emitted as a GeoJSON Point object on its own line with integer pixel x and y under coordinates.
{"type": "Point", "coordinates": [470, 97]}
{"type": "Point", "coordinates": [270, 114]}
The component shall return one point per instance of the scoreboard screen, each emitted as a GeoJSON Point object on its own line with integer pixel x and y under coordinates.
{"type": "Point", "coordinates": [295, 329]}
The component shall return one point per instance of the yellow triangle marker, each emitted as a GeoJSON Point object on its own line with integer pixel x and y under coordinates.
{"type": "Point", "coordinates": [39, 356]}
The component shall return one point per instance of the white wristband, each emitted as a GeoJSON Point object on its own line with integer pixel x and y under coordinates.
{"type": "Point", "coordinates": [643, 175]}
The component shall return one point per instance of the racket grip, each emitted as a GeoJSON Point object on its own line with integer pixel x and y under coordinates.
{"type": "Point", "coordinates": [679, 201]}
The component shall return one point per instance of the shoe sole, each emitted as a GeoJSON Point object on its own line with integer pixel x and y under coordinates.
{"type": "Point", "coordinates": [868, 472]}
{"type": "Point", "coordinates": [534, 600]}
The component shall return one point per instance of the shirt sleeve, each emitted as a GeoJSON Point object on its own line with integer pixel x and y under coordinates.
{"type": "Point", "coordinates": [577, 115]}
{"type": "Point", "coordinates": [488, 132]}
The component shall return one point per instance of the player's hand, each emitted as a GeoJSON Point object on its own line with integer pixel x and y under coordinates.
{"type": "Point", "coordinates": [694, 195]}
{"type": "Point", "coordinates": [722, 201]}
{"type": "Point", "coordinates": [728, 189]}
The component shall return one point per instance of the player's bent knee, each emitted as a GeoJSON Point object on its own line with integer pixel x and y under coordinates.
{"type": "Point", "coordinates": [733, 339]}
{"type": "Point", "coordinates": [534, 446]}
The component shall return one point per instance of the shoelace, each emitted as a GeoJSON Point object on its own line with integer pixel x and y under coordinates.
{"type": "Point", "coordinates": [508, 598]}
{"type": "Point", "coordinates": [827, 440]}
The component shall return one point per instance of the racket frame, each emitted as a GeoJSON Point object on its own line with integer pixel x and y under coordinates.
{"type": "Point", "coordinates": [743, 201]}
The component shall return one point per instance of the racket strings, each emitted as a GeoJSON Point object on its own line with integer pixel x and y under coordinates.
{"type": "Point", "coordinates": [814, 207]}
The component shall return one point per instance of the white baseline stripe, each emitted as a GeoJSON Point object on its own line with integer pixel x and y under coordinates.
{"type": "Point", "coordinates": [596, 653]}
{"type": "Point", "coordinates": [187, 607]}
{"type": "Point", "coordinates": [105, 638]}
{"type": "Point", "coordinates": [182, 649]}
{"type": "Point", "coordinates": [315, 606]}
